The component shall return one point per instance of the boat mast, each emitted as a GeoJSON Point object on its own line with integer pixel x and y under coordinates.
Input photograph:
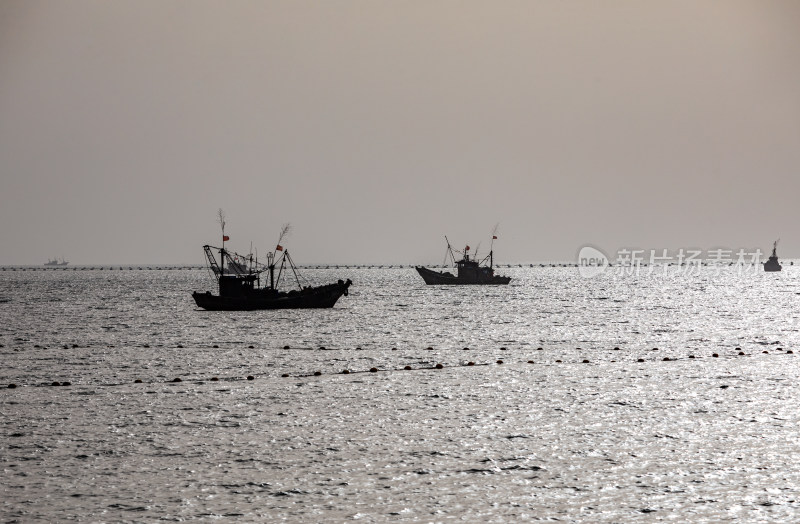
{"type": "Point", "coordinates": [271, 266]}
{"type": "Point", "coordinates": [272, 275]}
{"type": "Point", "coordinates": [449, 250]}
{"type": "Point", "coordinates": [221, 217]}
{"type": "Point", "coordinates": [491, 246]}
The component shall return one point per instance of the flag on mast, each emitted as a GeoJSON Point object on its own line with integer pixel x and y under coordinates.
{"type": "Point", "coordinates": [225, 238]}
{"type": "Point", "coordinates": [279, 248]}
{"type": "Point", "coordinates": [494, 237]}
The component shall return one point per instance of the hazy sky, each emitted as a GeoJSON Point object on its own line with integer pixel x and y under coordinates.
{"type": "Point", "coordinates": [376, 128]}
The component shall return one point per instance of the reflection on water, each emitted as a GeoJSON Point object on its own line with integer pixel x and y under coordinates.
{"type": "Point", "coordinates": [610, 440]}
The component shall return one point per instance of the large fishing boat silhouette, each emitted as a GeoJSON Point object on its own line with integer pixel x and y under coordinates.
{"type": "Point", "coordinates": [470, 271]}
{"type": "Point", "coordinates": [239, 281]}
{"type": "Point", "coordinates": [772, 263]}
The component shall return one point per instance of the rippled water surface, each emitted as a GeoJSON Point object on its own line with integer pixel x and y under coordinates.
{"type": "Point", "coordinates": [609, 404]}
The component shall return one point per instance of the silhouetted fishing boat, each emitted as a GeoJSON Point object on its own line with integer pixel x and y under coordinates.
{"type": "Point", "coordinates": [239, 283]}
{"type": "Point", "coordinates": [56, 262]}
{"type": "Point", "coordinates": [469, 271]}
{"type": "Point", "coordinates": [772, 263]}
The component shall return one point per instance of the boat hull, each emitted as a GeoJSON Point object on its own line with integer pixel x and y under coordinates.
{"type": "Point", "coordinates": [309, 298]}
{"type": "Point", "coordinates": [436, 278]}
{"type": "Point", "coordinates": [771, 265]}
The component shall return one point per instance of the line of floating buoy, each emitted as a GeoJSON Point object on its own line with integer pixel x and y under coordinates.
{"type": "Point", "coordinates": [376, 370]}
{"type": "Point", "coordinates": [327, 348]}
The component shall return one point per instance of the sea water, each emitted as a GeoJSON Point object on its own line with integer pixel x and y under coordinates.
{"type": "Point", "coordinates": [597, 413]}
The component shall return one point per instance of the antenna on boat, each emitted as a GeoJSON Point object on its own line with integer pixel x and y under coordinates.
{"type": "Point", "coordinates": [491, 247]}
{"type": "Point", "coordinates": [221, 218]}
{"type": "Point", "coordinates": [450, 251]}
{"type": "Point", "coordinates": [271, 256]}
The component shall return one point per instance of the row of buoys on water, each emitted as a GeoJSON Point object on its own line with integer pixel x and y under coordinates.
{"type": "Point", "coordinates": [409, 368]}
{"type": "Point", "coordinates": [358, 348]}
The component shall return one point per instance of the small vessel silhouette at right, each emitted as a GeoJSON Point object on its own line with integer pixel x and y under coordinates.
{"type": "Point", "coordinates": [772, 263]}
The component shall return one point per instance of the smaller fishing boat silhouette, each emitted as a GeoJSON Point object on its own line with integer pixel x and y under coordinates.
{"type": "Point", "coordinates": [470, 271]}
{"type": "Point", "coordinates": [772, 263]}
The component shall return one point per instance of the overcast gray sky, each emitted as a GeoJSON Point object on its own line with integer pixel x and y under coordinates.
{"type": "Point", "coordinates": [376, 128]}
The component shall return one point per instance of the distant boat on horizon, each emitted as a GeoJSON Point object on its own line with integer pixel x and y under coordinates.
{"type": "Point", "coordinates": [772, 263]}
{"type": "Point", "coordinates": [56, 262]}
{"type": "Point", "coordinates": [470, 271]}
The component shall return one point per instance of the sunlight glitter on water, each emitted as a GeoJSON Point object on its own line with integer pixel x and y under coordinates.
{"type": "Point", "coordinates": [708, 438]}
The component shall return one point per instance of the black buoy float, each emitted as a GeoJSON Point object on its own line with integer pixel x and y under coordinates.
{"type": "Point", "coordinates": [67, 383]}
{"type": "Point", "coordinates": [499, 361]}
{"type": "Point", "coordinates": [250, 346]}
{"type": "Point", "coordinates": [691, 356]}
{"type": "Point", "coordinates": [466, 349]}
{"type": "Point", "coordinates": [502, 349]}
{"type": "Point", "coordinates": [373, 370]}
{"type": "Point", "coordinates": [179, 346]}
{"type": "Point", "coordinates": [640, 360]}
{"type": "Point", "coordinates": [317, 373]}
{"type": "Point", "coordinates": [56, 383]}
{"type": "Point", "coordinates": [439, 366]}
{"type": "Point", "coordinates": [250, 377]}
{"type": "Point", "coordinates": [765, 351]}
{"type": "Point", "coordinates": [715, 355]}
{"type": "Point", "coordinates": [470, 363]}
{"type": "Point", "coordinates": [741, 352]}
{"type": "Point", "coordinates": [539, 349]}
{"type": "Point", "coordinates": [616, 348]}
{"type": "Point", "coordinates": [789, 352]}
{"type": "Point", "coordinates": [137, 381]}
{"type": "Point", "coordinates": [322, 347]}
{"type": "Point", "coordinates": [530, 362]}
{"type": "Point", "coordinates": [665, 359]}
{"type": "Point", "coordinates": [11, 386]}
{"type": "Point", "coordinates": [286, 347]}
{"type": "Point", "coordinates": [214, 379]}
{"type": "Point", "coordinates": [407, 368]}
{"type": "Point", "coordinates": [215, 346]}
{"type": "Point", "coordinates": [558, 362]}
{"type": "Point", "coordinates": [177, 379]}
{"type": "Point", "coordinates": [585, 361]}
{"type": "Point", "coordinates": [285, 375]}
{"type": "Point", "coordinates": [345, 372]}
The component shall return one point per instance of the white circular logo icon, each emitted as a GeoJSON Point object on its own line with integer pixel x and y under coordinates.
{"type": "Point", "coordinates": [591, 261]}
